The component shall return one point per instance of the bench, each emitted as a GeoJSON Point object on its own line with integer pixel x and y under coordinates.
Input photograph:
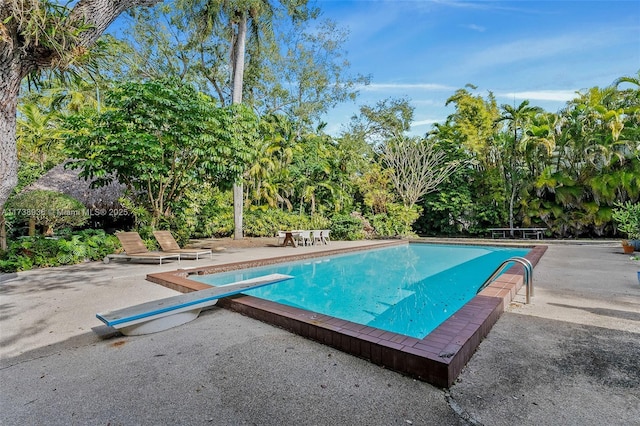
{"type": "Point", "coordinates": [159, 315]}
{"type": "Point", "coordinates": [538, 233]}
{"type": "Point", "coordinates": [533, 232]}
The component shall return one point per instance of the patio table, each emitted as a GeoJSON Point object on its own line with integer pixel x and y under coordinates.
{"type": "Point", "coordinates": [288, 238]}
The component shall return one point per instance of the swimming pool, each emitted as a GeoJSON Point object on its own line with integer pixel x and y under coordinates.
{"type": "Point", "coordinates": [437, 358]}
{"type": "Point", "coordinates": [409, 289]}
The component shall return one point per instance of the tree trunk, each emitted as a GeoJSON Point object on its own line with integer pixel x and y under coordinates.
{"type": "Point", "coordinates": [238, 65]}
{"type": "Point", "coordinates": [10, 77]}
{"type": "Point", "coordinates": [32, 226]}
{"type": "Point", "coordinates": [8, 152]}
{"type": "Point", "coordinates": [238, 76]}
{"type": "Point", "coordinates": [512, 199]}
{"type": "Point", "coordinates": [238, 198]}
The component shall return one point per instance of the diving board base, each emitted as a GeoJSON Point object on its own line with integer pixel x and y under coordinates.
{"type": "Point", "coordinates": [161, 323]}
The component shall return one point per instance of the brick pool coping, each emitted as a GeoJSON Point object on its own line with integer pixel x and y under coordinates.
{"type": "Point", "coordinates": [437, 358]}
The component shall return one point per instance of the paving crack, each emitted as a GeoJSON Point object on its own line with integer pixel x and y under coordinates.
{"type": "Point", "coordinates": [456, 408]}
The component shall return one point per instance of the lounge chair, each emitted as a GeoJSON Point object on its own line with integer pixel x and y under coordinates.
{"type": "Point", "coordinates": [169, 245]}
{"type": "Point", "coordinates": [134, 248]}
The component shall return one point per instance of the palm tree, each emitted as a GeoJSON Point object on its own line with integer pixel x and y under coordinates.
{"type": "Point", "coordinates": [635, 80]}
{"type": "Point", "coordinates": [517, 119]}
{"type": "Point", "coordinates": [267, 179]}
{"type": "Point", "coordinates": [630, 97]}
{"type": "Point", "coordinates": [37, 134]}
{"type": "Point", "coordinates": [539, 142]}
{"type": "Point", "coordinates": [595, 160]}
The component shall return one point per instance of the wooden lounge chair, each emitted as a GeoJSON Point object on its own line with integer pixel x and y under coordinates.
{"type": "Point", "coordinates": [169, 245]}
{"type": "Point", "coordinates": [134, 248]}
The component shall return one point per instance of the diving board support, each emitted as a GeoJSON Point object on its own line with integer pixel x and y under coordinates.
{"type": "Point", "coordinates": [159, 315]}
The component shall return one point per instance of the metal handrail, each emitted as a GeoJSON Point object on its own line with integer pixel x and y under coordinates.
{"type": "Point", "coordinates": [528, 275]}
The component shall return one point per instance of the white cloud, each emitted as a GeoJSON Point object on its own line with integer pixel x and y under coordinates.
{"type": "Point", "coordinates": [475, 27]}
{"type": "Point", "coordinates": [425, 122]}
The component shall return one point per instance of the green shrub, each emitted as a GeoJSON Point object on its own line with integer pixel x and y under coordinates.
{"type": "Point", "coordinates": [385, 226]}
{"type": "Point", "coordinates": [627, 218]}
{"type": "Point", "coordinates": [14, 262]}
{"type": "Point", "coordinates": [141, 216]}
{"type": "Point", "coordinates": [447, 212]}
{"type": "Point", "coordinates": [28, 173]}
{"type": "Point", "coordinates": [266, 223]}
{"type": "Point", "coordinates": [220, 225]}
{"type": "Point", "coordinates": [215, 216]}
{"type": "Point", "coordinates": [181, 234]}
{"type": "Point", "coordinates": [29, 252]}
{"type": "Point", "coordinates": [318, 221]}
{"type": "Point", "coordinates": [217, 221]}
{"type": "Point", "coordinates": [146, 233]}
{"type": "Point", "coordinates": [346, 227]}
{"type": "Point", "coordinates": [396, 222]}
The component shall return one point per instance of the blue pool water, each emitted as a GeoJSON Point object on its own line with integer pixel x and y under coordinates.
{"type": "Point", "coordinates": [407, 289]}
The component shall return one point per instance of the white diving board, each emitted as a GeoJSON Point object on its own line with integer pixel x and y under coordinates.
{"type": "Point", "coordinates": [159, 315]}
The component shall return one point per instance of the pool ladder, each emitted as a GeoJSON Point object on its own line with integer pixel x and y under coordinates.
{"type": "Point", "coordinates": [528, 275]}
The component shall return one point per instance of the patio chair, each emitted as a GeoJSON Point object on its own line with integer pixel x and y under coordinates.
{"type": "Point", "coordinates": [320, 236]}
{"type": "Point", "coordinates": [304, 237]}
{"type": "Point", "coordinates": [134, 248]}
{"type": "Point", "coordinates": [169, 245]}
{"type": "Point", "coordinates": [281, 236]}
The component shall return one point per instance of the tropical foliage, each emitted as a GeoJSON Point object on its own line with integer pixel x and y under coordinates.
{"type": "Point", "coordinates": [68, 249]}
{"type": "Point", "coordinates": [161, 138]}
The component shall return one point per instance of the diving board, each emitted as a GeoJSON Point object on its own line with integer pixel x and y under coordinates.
{"type": "Point", "coordinates": [159, 315]}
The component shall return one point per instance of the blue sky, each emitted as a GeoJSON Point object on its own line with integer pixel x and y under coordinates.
{"type": "Point", "coordinates": [425, 50]}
